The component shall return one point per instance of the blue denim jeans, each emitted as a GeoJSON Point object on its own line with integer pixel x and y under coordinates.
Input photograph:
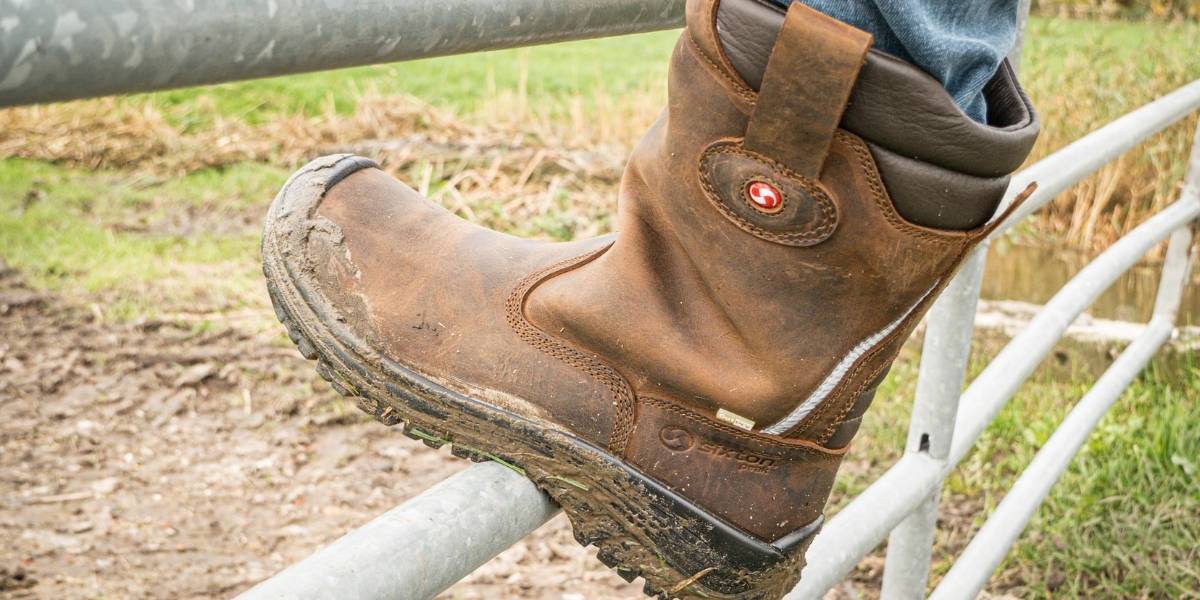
{"type": "Point", "coordinates": [959, 42]}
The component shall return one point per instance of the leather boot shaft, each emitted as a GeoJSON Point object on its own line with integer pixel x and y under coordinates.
{"type": "Point", "coordinates": [785, 316]}
{"type": "Point", "coordinates": [686, 388]}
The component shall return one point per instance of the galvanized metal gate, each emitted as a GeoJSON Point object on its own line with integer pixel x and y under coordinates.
{"type": "Point", "coordinates": [64, 49]}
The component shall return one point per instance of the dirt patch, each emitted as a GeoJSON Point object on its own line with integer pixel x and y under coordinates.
{"type": "Point", "coordinates": [159, 460]}
{"type": "Point", "coordinates": [154, 460]}
{"type": "Point", "coordinates": [534, 178]}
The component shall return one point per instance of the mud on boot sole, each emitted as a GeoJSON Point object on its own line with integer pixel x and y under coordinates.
{"type": "Point", "coordinates": [641, 528]}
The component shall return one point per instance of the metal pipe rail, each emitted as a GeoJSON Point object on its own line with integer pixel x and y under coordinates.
{"type": "Point", "coordinates": [864, 523]}
{"type": "Point", "coordinates": [427, 543]}
{"type": "Point", "coordinates": [947, 347]}
{"type": "Point", "coordinates": [53, 51]}
{"type": "Point", "coordinates": [989, 547]}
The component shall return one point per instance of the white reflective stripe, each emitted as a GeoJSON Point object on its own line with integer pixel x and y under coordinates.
{"type": "Point", "coordinates": [839, 371]}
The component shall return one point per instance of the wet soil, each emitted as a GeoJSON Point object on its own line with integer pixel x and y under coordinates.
{"type": "Point", "coordinates": [163, 459]}
{"type": "Point", "coordinates": [154, 460]}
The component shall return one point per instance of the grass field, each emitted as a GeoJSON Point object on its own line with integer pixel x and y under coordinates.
{"type": "Point", "coordinates": [147, 207]}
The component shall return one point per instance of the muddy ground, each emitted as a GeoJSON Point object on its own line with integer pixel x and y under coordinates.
{"type": "Point", "coordinates": [169, 459]}
{"type": "Point", "coordinates": [155, 460]}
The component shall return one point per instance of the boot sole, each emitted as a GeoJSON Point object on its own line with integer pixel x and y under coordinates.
{"type": "Point", "coordinates": [640, 527]}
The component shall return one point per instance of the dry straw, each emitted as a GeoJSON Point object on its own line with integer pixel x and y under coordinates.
{"type": "Point", "coordinates": [551, 168]}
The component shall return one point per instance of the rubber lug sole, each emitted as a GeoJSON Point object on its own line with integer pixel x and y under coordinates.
{"type": "Point", "coordinates": [640, 528]}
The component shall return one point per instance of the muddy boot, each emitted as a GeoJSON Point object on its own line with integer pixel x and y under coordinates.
{"type": "Point", "coordinates": [687, 388]}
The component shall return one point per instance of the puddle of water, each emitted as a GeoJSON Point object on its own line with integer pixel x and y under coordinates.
{"type": "Point", "coordinates": [1035, 274]}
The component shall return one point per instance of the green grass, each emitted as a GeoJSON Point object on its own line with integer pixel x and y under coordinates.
{"type": "Point", "coordinates": [70, 238]}
{"type": "Point", "coordinates": [1060, 54]}
{"type": "Point", "coordinates": [1122, 520]}
{"type": "Point", "coordinates": [1057, 53]}
{"type": "Point", "coordinates": [612, 67]}
{"type": "Point", "coordinates": [1082, 75]}
{"type": "Point", "coordinates": [1121, 523]}
{"type": "Point", "coordinates": [138, 247]}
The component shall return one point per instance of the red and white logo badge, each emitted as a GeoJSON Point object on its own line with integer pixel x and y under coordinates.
{"type": "Point", "coordinates": [764, 196]}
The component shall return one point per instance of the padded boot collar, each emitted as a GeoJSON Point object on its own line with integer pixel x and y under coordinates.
{"type": "Point", "coordinates": [894, 104]}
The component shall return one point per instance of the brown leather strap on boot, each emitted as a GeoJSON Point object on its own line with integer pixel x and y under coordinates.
{"type": "Point", "coordinates": [809, 77]}
{"type": "Point", "coordinates": [723, 346]}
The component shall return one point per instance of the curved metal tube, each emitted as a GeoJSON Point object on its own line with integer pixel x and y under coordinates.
{"type": "Point", "coordinates": [67, 49]}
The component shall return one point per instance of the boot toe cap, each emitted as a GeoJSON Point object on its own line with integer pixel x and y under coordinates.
{"type": "Point", "coordinates": [397, 277]}
{"type": "Point", "coordinates": [303, 192]}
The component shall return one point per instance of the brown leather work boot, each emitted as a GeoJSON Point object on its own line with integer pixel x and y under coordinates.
{"type": "Point", "coordinates": [686, 388]}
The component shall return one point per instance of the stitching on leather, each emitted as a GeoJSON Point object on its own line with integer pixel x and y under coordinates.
{"type": "Point", "coordinates": [841, 416]}
{"type": "Point", "coordinates": [808, 237]}
{"type": "Point", "coordinates": [841, 405]}
{"type": "Point", "coordinates": [985, 230]}
{"type": "Point", "coordinates": [742, 91]}
{"type": "Point", "coordinates": [844, 403]}
{"type": "Point", "coordinates": [867, 163]}
{"type": "Point", "coordinates": [838, 400]}
{"type": "Point", "coordinates": [624, 401]}
{"type": "Point", "coordinates": [847, 404]}
{"type": "Point", "coordinates": [781, 445]}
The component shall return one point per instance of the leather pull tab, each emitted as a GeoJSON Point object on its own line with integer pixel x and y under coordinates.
{"type": "Point", "coordinates": [807, 83]}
